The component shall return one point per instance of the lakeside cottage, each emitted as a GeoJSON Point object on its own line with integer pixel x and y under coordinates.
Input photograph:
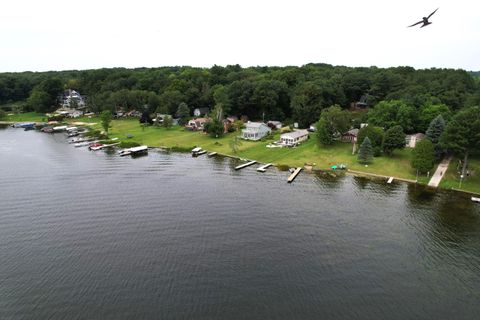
{"type": "Point", "coordinates": [274, 124]}
{"type": "Point", "coordinates": [412, 139]}
{"type": "Point", "coordinates": [293, 138]}
{"type": "Point", "coordinates": [255, 131]}
{"type": "Point", "coordinates": [196, 124]}
{"type": "Point", "coordinates": [350, 135]}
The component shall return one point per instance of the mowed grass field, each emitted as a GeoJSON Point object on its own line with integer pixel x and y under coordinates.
{"type": "Point", "coordinates": [398, 165]}
{"type": "Point", "coordinates": [308, 152]}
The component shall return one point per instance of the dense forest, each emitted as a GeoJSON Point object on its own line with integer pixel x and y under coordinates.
{"type": "Point", "coordinates": [408, 97]}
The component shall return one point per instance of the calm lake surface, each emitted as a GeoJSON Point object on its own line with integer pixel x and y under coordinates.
{"type": "Point", "coordinates": [90, 235]}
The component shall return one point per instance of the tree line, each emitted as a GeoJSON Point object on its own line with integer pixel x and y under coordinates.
{"type": "Point", "coordinates": [395, 96]}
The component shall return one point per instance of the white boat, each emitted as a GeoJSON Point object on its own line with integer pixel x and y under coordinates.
{"type": "Point", "coordinates": [196, 151]}
{"type": "Point", "coordinates": [475, 199]}
{"type": "Point", "coordinates": [59, 128]}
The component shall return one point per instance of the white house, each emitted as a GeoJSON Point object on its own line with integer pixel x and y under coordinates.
{"type": "Point", "coordinates": [255, 131]}
{"type": "Point", "coordinates": [293, 138]}
{"type": "Point", "coordinates": [73, 98]}
{"type": "Point", "coordinates": [412, 139]}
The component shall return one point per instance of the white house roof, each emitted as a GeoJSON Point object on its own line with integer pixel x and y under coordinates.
{"type": "Point", "coordinates": [295, 134]}
{"type": "Point", "coordinates": [255, 125]}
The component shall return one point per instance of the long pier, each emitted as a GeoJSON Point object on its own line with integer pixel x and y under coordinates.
{"type": "Point", "coordinates": [294, 175]}
{"type": "Point", "coordinates": [245, 165]}
{"type": "Point", "coordinates": [264, 167]}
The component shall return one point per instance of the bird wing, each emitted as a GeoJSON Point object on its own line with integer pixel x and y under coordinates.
{"type": "Point", "coordinates": [415, 24]}
{"type": "Point", "coordinates": [431, 14]}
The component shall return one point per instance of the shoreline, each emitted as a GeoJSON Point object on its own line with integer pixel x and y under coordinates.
{"type": "Point", "coordinates": [308, 168]}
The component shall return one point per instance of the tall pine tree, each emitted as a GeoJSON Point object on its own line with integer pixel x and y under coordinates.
{"type": "Point", "coordinates": [365, 154]}
{"type": "Point", "coordinates": [434, 131]}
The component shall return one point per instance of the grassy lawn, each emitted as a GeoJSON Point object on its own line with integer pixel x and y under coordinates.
{"type": "Point", "coordinates": [309, 152]}
{"type": "Point", "coordinates": [25, 117]}
{"type": "Point", "coordinates": [397, 165]}
{"type": "Point", "coordinates": [471, 183]}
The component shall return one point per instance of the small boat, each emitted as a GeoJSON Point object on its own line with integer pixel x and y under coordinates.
{"type": "Point", "coordinates": [196, 151]}
{"type": "Point", "coordinates": [73, 134]}
{"type": "Point", "coordinates": [25, 125]}
{"type": "Point", "coordinates": [475, 199]}
{"type": "Point", "coordinates": [59, 128]}
{"type": "Point", "coordinates": [95, 146]}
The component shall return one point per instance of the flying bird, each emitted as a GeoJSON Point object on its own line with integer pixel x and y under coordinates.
{"type": "Point", "coordinates": [424, 20]}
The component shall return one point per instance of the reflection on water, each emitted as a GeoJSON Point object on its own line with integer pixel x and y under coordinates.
{"type": "Point", "coordinates": [92, 235]}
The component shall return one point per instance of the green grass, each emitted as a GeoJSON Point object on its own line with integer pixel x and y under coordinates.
{"type": "Point", "coordinates": [398, 165]}
{"type": "Point", "coordinates": [471, 183]}
{"type": "Point", "coordinates": [309, 152]}
{"type": "Point", "coordinates": [25, 117]}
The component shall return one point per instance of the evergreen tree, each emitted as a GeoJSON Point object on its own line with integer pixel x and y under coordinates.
{"type": "Point", "coordinates": [423, 156]}
{"type": "Point", "coordinates": [394, 139]}
{"type": "Point", "coordinates": [434, 131]}
{"type": "Point", "coordinates": [365, 154]}
{"type": "Point", "coordinates": [375, 134]}
{"type": "Point", "coordinates": [183, 113]}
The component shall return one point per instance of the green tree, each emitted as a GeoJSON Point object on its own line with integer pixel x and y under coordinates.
{"type": "Point", "coordinates": [214, 128]}
{"type": "Point", "coordinates": [3, 114]}
{"type": "Point", "coordinates": [429, 112]}
{"type": "Point", "coordinates": [338, 120]}
{"type": "Point", "coordinates": [167, 122]}
{"type": "Point", "coordinates": [365, 153]}
{"type": "Point", "coordinates": [462, 134]}
{"type": "Point", "coordinates": [394, 139]}
{"type": "Point", "coordinates": [238, 125]}
{"type": "Point", "coordinates": [39, 101]}
{"type": "Point", "coordinates": [106, 118]}
{"type": "Point", "coordinates": [375, 135]}
{"type": "Point", "coordinates": [183, 113]}
{"type": "Point", "coordinates": [434, 132]}
{"type": "Point", "coordinates": [324, 132]}
{"type": "Point", "coordinates": [235, 144]}
{"type": "Point", "coordinates": [423, 156]}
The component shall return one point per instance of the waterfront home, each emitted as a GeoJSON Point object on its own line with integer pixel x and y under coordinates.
{"type": "Point", "coordinates": [196, 124]}
{"type": "Point", "coordinates": [412, 139]}
{"type": "Point", "coordinates": [255, 131]}
{"type": "Point", "coordinates": [72, 98]}
{"type": "Point", "coordinates": [350, 135]}
{"type": "Point", "coordinates": [293, 138]}
{"type": "Point", "coordinates": [274, 124]}
{"type": "Point", "coordinates": [198, 112]}
{"type": "Point", "coordinates": [228, 123]}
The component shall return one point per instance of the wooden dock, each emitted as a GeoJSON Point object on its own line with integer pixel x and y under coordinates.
{"type": "Point", "coordinates": [390, 180]}
{"type": "Point", "coordinates": [211, 154]}
{"type": "Point", "coordinates": [294, 175]}
{"type": "Point", "coordinates": [245, 165]}
{"type": "Point", "coordinates": [264, 167]}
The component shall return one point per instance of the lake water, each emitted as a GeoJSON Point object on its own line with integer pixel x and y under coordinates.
{"type": "Point", "coordinates": [90, 235]}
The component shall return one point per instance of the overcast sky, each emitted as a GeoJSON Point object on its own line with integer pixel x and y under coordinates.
{"type": "Point", "coordinates": [41, 35]}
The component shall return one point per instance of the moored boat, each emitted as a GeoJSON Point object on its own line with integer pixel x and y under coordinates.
{"type": "Point", "coordinates": [475, 199]}
{"type": "Point", "coordinates": [196, 151]}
